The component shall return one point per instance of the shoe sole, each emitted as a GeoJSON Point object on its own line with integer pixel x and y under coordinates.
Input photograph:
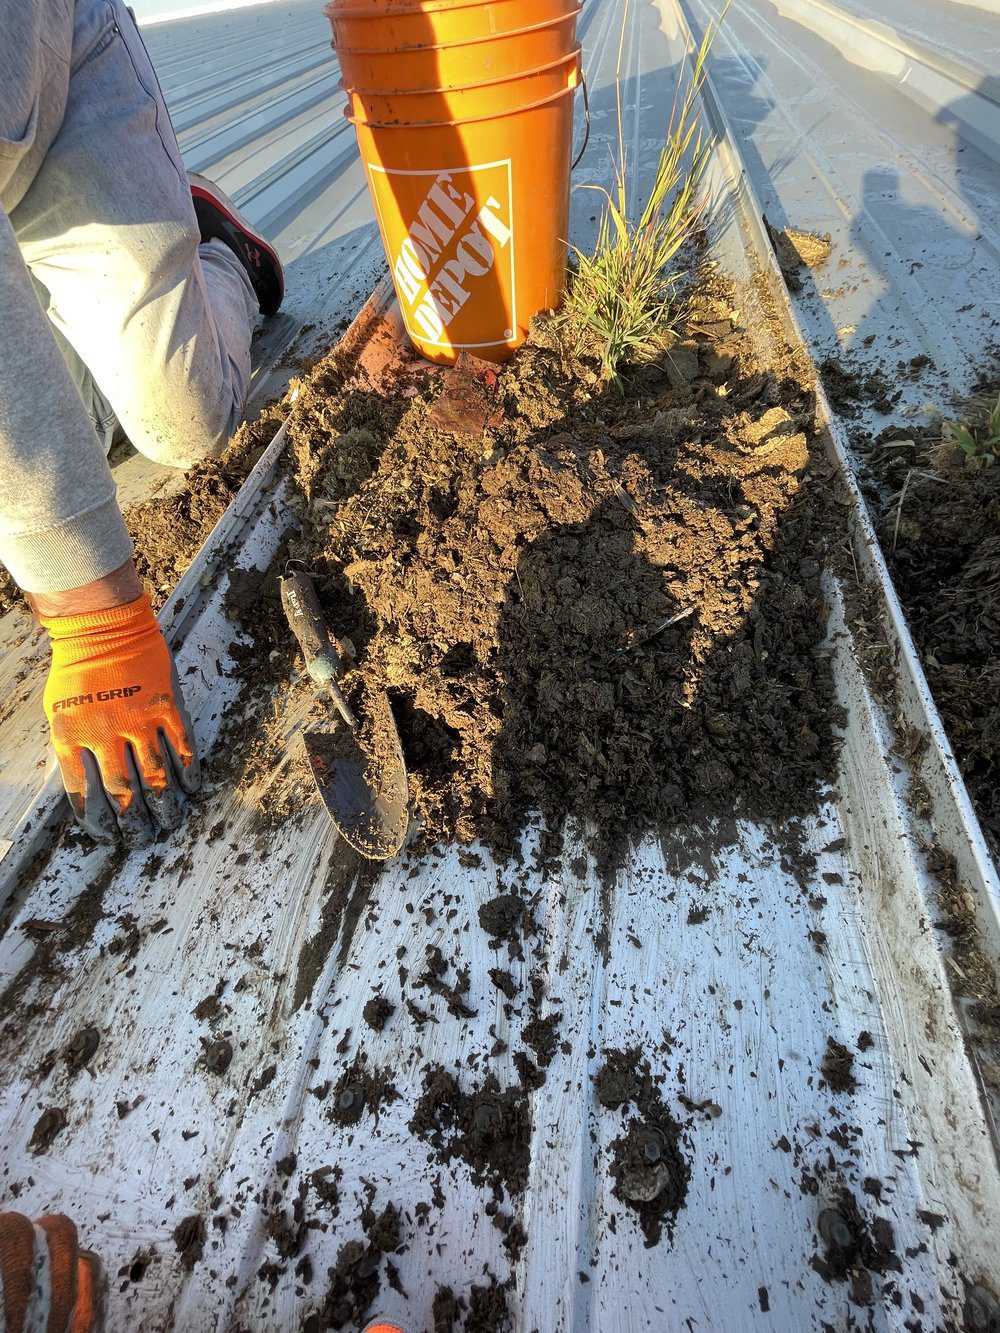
{"type": "Point", "coordinates": [203, 188]}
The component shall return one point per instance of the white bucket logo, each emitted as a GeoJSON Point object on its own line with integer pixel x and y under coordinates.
{"type": "Point", "coordinates": [461, 232]}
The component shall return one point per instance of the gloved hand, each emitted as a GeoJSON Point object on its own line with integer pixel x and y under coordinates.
{"type": "Point", "coordinates": [123, 739]}
{"type": "Point", "coordinates": [64, 1294]}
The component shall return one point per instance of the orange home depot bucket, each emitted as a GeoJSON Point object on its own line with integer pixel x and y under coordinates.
{"type": "Point", "coordinates": [386, 25]}
{"type": "Point", "coordinates": [471, 192]}
{"type": "Point", "coordinates": [410, 69]}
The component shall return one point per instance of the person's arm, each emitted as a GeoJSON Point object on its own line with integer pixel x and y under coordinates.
{"type": "Point", "coordinates": [122, 737]}
{"type": "Point", "coordinates": [60, 525]}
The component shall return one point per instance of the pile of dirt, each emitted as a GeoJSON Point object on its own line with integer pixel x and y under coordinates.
{"type": "Point", "coordinates": [603, 604]}
{"type": "Point", "coordinates": [837, 1067]}
{"type": "Point", "coordinates": [940, 530]}
{"type": "Point", "coordinates": [355, 1279]}
{"type": "Point", "coordinates": [168, 531]}
{"type": "Point", "coordinates": [851, 386]}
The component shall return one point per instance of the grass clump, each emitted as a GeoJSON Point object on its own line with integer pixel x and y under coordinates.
{"type": "Point", "coordinates": [621, 294]}
{"type": "Point", "coordinates": [975, 438]}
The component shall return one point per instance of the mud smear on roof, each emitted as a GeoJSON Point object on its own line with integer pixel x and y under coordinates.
{"type": "Point", "coordinates": [608, 606]}
{"type": "Point", "coordinates": [488, 1128]}
{"type": "Point", "coordinates": [349, 883]}
{"type": "Point", "coordinates": [52, 940]}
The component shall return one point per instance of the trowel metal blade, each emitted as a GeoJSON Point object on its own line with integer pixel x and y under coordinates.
{"type": "Point", "coordinates": [372, 817]}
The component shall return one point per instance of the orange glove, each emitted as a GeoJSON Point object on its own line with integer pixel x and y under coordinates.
{"type": "Point", "coordinates": [121, 733]}
{"type": "Point", "coordinates": [46, 1280]}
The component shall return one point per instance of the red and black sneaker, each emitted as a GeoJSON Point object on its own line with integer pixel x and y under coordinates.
{"type": "Point", "coordinates": [219, 219]}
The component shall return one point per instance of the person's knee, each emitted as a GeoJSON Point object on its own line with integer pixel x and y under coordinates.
{"type": "Point", "coordinates": [184, 440]}
{"type": "Point", "coordinates": [204, 443]}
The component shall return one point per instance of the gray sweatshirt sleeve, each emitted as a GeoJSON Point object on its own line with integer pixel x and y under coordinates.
{"type": "Point", "coordinates": [60, 525]}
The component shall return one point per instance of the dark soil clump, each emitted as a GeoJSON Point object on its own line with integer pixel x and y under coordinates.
{"type": "Point", "coordinates": [377, 1012]}
{"type": "Point", "coordinates": [619, 1081]}
{"type": "Point", "coordinates": [852, 388]}
{"type": "Point", "coordinates": [325, 1181]}
{"type": "Point", "coordinates": [355, 1280]}
{"type": "Point", "coordinates": [650, 1171]}
{"type": "Point", "coordinates": [502, 917]}
{"type": "Point", "coordinates": [504, 981]}
{"type": "Point", "coordinates": [606, 607]}
{"type": "Point", "coordinates": [542, 1035]}
{"type": "Point", "coordinates": [445, 1310]}
{"type": "Point", "coordinates": [189, 1237]}
{"type": "Point", "coordinates": [488, 1128]}
{"type": "Point", "coordinates": [489, 1311]}
{"type": "Point", "coordinates": [837, 1067]}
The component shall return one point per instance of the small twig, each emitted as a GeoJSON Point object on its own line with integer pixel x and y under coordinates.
{"type": "Point", "coordinates": [850, 551]}
{"type": "Point", "coordinates": [899, 510]}
{"type": "Point", "coordinates": [640, 638]}
{"type": "Point", "coordinates": [624, 499]}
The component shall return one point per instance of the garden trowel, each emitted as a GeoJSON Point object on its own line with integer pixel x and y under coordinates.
{"type": "Point", "coordinates": [363, 786]}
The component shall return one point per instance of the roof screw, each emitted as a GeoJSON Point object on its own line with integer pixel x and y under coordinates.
{"type": "Point", "coordinates": [652, 1148]}
{"type": "Point", "coordinates": [982, 1309]}
{"type": "Point", "coordinates": [218, 1055]}
{"type": "Point", "coordinates": [350, 1100]}
{"type": "Point", "coordinates": [835, 1231]}
{"type": "Point", "coordinates": [484, 1119]}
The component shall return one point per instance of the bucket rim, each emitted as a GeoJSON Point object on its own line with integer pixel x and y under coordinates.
{"type": "Point", "coordinates": [575, 56]}
{"type": "Point", "coordinates": [465, 120]}
{"type": "Point", "coordinates": [333, 9]}
{"type": "Point", "coordinates": [472, 41]}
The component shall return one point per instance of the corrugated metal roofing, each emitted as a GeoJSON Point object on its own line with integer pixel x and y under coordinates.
{"type": "Point", "coordinates": [254, 99]}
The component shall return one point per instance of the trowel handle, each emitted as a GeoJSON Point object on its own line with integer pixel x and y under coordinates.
{"type": "Point", "coordinates": [305, 620]}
